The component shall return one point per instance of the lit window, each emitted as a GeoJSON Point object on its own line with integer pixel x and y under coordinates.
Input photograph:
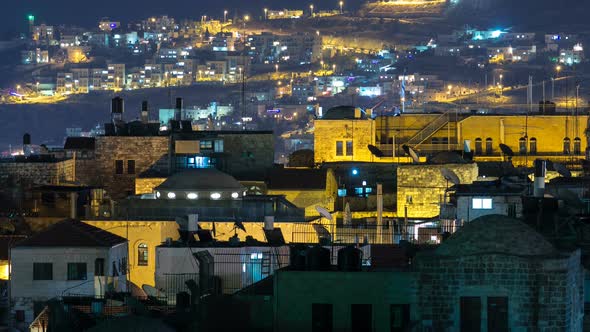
{"type": "Point", "coordinates": [157, 194]}
{"type": "Point", "coordinates": [171, 195]}
{"type": "Point", "coordinates": [482, 203]}
{"type": "Point", "coordinates": [142, 254]}
{"type": "Point", "coordinates": [235, 195]}
{"type": "Point", "coordinates": [192, 196]}
{"type": "Point", "coordinates": [256, 255]}
{"type": "Point", "coordinates": [215, 196]}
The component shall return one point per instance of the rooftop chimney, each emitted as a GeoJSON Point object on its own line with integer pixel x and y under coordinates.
{"type": "Point", "coordinates": [540, 171]}
{"type": "Point", "coordinates": [117, 109]}
{"type": "Point", "coordinates": [178, 109]}
{"type": "Point", "coordinates": [144, 112]}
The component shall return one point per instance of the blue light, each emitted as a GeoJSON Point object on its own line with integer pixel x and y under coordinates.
{"type": "Point", "coordinates": [496, 33]}
{"type": "Point", "coordinates": [355, 171]}
{"type": "Point", "coordinates": [113, 25]}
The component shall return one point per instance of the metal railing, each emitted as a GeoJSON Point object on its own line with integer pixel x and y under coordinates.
{"type": "Point", "coordinates": [371, 234]}
{"type": "Point", "coordinates": [429, 130]}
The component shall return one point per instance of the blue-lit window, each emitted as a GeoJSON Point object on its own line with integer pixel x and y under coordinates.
{"type": "Point", "coordinates": [206, 145]}
{"type": "Point", "coordinates": [358, 191]}
{"type": "Point", "coordinates": [341, 192]}
{"type": "Point", "coordinates": [218, 146]}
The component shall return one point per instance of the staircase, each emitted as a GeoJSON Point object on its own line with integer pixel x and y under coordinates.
{"type": "Point", "coordinates": [429, 130]}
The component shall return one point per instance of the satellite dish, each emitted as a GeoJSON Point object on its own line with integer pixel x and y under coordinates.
{"type": "Point", "coordinates": [239, 225]}
{"type": "Point", "coordinates": [506, 150]}
{"type": "Point", "coordinates": [324, 213]}
{"type": "Point", "coordinates": [450, 176]}
{"type": "Point", "coordinates": [375, 151]}
{"type": "Point", "coordinates": [562, 170]}
{"type": "Point", "coordinates": [410, 152]}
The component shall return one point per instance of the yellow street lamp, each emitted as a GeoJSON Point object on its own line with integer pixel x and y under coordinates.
{"type": "Point", "coordinates": [277, 68]}
{"type": "Point", "coordinates": [311, 10]}
{"type": "Point", "coordinates": [265, 13]}
{"type": "Point", "coordinates": [341, 3]}
{"type": "Point", "coordinates": [224, 16]}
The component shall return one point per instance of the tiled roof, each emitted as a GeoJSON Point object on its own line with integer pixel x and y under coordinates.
{"type": "Point", "coordinates": [72, 233]}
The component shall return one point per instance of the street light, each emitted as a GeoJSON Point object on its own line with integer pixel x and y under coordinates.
{"type": "Point", "coordinates": [311, 10]}
{"type": "Point", "coordinates": [501, 85]}
{"type": "Point", "coordinates": [225, 16]}
{"type": "Point", "coordinates": [276, 68]}
{"type": "Point", "coordinates": [341, 3]}
{"type": "Point", "coordinates": [266, 13]}
{"type": "Point", "coordinates": [334, 68]}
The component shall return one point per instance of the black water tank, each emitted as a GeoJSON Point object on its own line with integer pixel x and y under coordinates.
{"type": "Point", "coordinates": [144, 106]}
{"type": "Point", "coordinates": [117, 105]}
{"type": "Point", "coordinates": [297, 259]}
{"type": "Point", "coordinates": [317, 259]}
{"type": "Point", "coordinates": [179, 103]}
{"type": "Point", "coordinates": [27, 139]}
{"type": "Point", "coordinates": [183, 301]}
{"type": "Point", "coordinates": [350, 259]}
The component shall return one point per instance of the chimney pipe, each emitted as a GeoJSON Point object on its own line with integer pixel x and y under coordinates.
{"type": "Point", "coordinates": [144, 112]}
{"type": "Point", "coordinates": [27, 144]}
{"type": "Point", "coordinates": [540, 172]}
{"type": "Point", "coordinates": [178, 109]}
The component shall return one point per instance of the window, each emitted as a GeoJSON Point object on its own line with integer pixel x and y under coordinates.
{"type": "Point", "coordinates": [566, 146]}
{"type": "Point", "coordinates": [470, 314]}
{"type": "Point", "coordinates": [482, 203]}
{"type": "Point", "coordinates": [533, 145]}
{"type": "Point", "coordinates": [130, 166]}
{"type": "Point", "coordinates": [361, 317]}
{"type": "Point", "coordinates": [142, 254]}
{"type": "Point", "coordinates": [42, 271]}
{"type": "Point", "coordinates": [218, 146]}
{"type": "Point", "coordinates": [498, 314]}
{"type": "Point", "coordinates": [118, 166]}
{"type": "Point", "coordinates": [577, 146]}
{"type": "Point", "coordinates": [399, 317]}
{"type": "Point", "coordinates": [339, 148]}
{"type": "Point", "coordinates": [478, 147]}
{"type": "Point", "coordinates": [349, 148]}
{"type": "Point", "coordinates": [321, 317]}
{"type": "Point", "coordinates": [206, 145]}
{"type": "Point", "coordinates": [522, 145]}
{"type": "Point", "coordinates": [489, 146]}
{"type": "Point", "coordinates": [99, 267]}
{"type": "Point", "coordinates": [76, 271]}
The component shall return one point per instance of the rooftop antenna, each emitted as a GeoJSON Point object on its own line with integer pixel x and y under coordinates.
{"type": "Point", "coordinates": [410, 152]}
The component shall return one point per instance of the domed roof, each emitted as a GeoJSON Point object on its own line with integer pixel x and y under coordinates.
{"type": "Point", "coordinates": [496, 234]}
{"type": "Point", "coordinates": [201, 179]}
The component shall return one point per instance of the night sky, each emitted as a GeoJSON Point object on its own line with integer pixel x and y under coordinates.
{"type": "Point", "coordinates": [87, 13]}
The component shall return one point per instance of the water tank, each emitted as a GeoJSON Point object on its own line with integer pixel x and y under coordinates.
{"type": "Point", "coordinates": [27, 139]}
{"type": "Point", "coordinates": [317, 259]}
{"type": "Point", "coordinates": [298, 253]}
{"type": "Point", "coordinates": [183, 301]}
{"type": "Point", "coordinates": [117, 105]}
{"type": "Point", "coordinates": [350, 259]}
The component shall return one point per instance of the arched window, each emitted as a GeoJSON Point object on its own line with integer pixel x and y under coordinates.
{"type": "Point", "coordinates": [142, 254]}
{"type": "Point", "coordinates": [522, 145]}
{"type": "Point", "coordinates": [533, 145]}
{"type": "Point", "coordinates": [577, 146]}
{"type": "Point", "coordinates": [489, 146]}
{"type": "Point", "coordinates": [478, 147]}
{"type": "Point", "coordinates": [566, 146]}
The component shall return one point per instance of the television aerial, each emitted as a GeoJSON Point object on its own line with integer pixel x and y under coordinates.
{"type": "Point", "coordinates": [410, 152]}
{"type": "Point", "coordinates": [375, 151]}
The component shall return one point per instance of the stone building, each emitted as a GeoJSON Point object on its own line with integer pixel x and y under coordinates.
{"type": "Point", "coordinates": [557, 137]}
{"type": "Point", "coordinates": [498, 274]}
{"type": "Point", "coordinates": [421, 188]}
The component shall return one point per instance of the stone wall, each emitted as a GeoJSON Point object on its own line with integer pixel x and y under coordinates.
{"type": "Point", "coordinates": [247, 156]}
{"type": "Point", "coordinates": [147, 185]}
{"type": "Point", "coordinates": [37, 173]}
{"type": "Point", "coordinates": [538, 291]}
{"type": "Point", "coordinates": [148, 153]}
{"type": "Point", "coordinates": [328, 132]}
{"type": "Point", "coordinates": [421, 187]}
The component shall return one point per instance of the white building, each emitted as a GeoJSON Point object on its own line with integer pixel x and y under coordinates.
{"type": "Point", "coordinates": [69, 258]}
